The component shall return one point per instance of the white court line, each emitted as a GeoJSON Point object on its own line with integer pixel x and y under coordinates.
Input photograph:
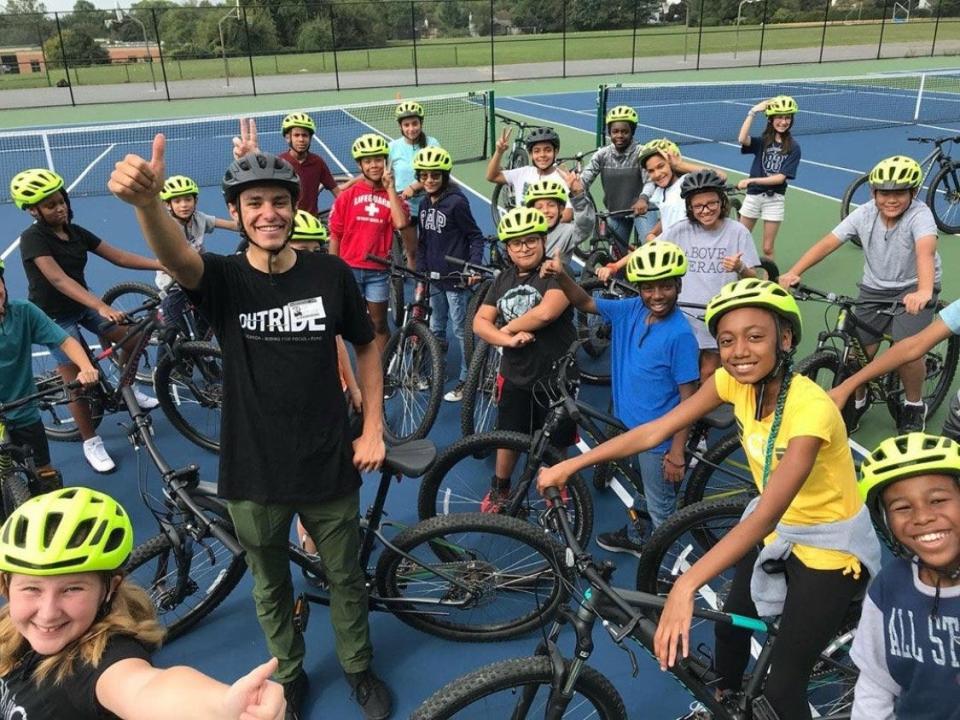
{"type": "Point", "coordinates": [333, 156]}
{"type": "Point", "coordinates": [16, 243]}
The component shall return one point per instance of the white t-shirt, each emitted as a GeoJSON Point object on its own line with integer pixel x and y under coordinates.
{"type": "Point", "coordinates": [673, 208]}
{"type": "Point", "coordinates": [522, 177]}
{"type": "Point", "coordinates": [705, 274]}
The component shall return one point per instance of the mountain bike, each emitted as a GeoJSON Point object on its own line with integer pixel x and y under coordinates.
{"type": "Point", "coordinates": [553, 686]}
{"type": "Point", "coordinates": [464, 577]}
{"type": "Point", "coordinates": [188, 378]}
{"type": "Point", "coordinates": [502, 198]}
{"type": "Point", "coordinates": [941, 177]}
{"type": "Point", "coordinates": [840, 353]}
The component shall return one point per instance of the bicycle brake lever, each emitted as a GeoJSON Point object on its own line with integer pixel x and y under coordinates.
{"type": "Point", "coordinates": [618, 639]}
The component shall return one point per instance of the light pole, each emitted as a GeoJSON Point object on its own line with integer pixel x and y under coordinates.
{"type": "Point", "coordinates": [223, 46]}
{"type": "Point", "coordinates": [736, 46]}
{"type": "Point", "coordinates": [686, 26]}
{"type": "Point", "coordinates": [122, 17]}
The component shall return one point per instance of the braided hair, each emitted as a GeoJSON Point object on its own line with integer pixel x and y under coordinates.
{"type": "Point", "coordinates": [777, 416]}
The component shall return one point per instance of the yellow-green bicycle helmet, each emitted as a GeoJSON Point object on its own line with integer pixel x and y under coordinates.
{"type": "Point", "coordinates": [369, 145]}
{"type": "Point", "coordinates": [781, 105]}
{"type": "Point", "coordinates": [902, 457]}
{"type": "Point", "coordinates": [178, 186]}
{"type": "Point", "coordinates": [896, 173]}
{"type": "Point", "coordinates": [657, 260]}
{"type": "Point", "coordinates": [751, 292]}
{"type": "Point", "coordinates": [308, 228]}
{"type": "Point", "coordinates": [520, 222]}
{"type": "Point", "coordinates": [66, 531]}
{"type": "Point", "coordinates": [32, 186]}
{"type": "Point", "coordinates": [409, 109]}
{"type": "Point", "coordinates": [298, 120]}
{"type": "Point", "coordinates": [622, 113]}
{"type": "Point", "coordinates": [658, 146]}
{"type": "Point", "coordinates": [545, 190]}
{"type": "Point", "coordinates": [432, 158]}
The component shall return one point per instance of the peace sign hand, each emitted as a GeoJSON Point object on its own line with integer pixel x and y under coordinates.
{"type": "Point", "coordinates": [503, 142]}
{"type": "Point", "coordinates": [246, 142]}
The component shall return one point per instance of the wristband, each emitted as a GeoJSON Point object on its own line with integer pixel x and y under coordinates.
{"type": "Point", "coordinates": [668, 460]}
{"type": "Point", "coordinates": [751, 113]}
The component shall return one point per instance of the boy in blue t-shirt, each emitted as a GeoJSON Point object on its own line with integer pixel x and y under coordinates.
{"type": "Point", "coordinates": [907, 645]}
{"type": "Point", "coordinates": [22, 325]}
{"type": "Point", "coordinates": [653, 349]}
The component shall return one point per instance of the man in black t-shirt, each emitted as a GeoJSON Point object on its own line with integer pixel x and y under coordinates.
{"type": "Point", "coordinates": [285, 441]}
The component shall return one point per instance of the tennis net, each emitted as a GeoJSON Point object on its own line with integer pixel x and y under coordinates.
{"type": "Point", "coordinates": [712, 112]}
{"type": "Point", "coordinates": [201, 147]}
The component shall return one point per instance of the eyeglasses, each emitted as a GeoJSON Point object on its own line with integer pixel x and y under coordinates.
{"type": "Point", "coordinates": [517, 243]}
{"type": "Point", "coordinates": [705, 207]}
{"type": "Point", "coordinates": [430, 175]}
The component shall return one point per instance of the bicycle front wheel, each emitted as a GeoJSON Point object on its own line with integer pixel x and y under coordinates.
{"type": "Point", "coordinates": [186, 593]}
{"type": "Point", "coordinates": [128, 296]}
{"type": "Point", "coordinates": [396, 304]}
{"type": "Point", "coordinates": [412, 383]}
{"type": "Point", "coordinates": [520, 688]}
{"type": "Point", "coordinates": [58, 422]}
{"type": "Point", "coordinates": [459, 479]}
{"type": "Point", "coordinates": [857, 193]}
{"type": "Point", "coordinates": [722, 472]}
{"type": "Point", "coordinates": [509, 577]}
{"type": "Point", "coordinates": [478, 412]}
{"type": "Point", "coordinates": [189, 385]}
{"type": "Point", "coordinates": [476, 300]}
{"type": "Point", "coordinates": [943, 198]}
{"type": "Point", "coordinates": [823, 367]}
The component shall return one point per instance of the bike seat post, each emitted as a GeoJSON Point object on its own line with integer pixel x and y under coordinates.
{"type": "Point", "coordinates": [375, 514]}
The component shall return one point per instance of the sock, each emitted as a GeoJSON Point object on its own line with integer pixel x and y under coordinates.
{"type": "Point", "coordinates": [860, 403]}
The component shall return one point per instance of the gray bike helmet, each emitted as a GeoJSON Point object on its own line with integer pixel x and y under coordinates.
{"type": "Point", "coordinates": [258, 168]}
{"type": "Point", "coordinates": [542, 134]}
{"type": "Point", "coordinates": [699, 181]}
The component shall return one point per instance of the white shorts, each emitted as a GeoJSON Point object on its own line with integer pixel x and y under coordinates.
{"type": "Point", "coordinates": [763, 206]}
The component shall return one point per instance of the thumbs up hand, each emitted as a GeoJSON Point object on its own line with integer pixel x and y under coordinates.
{"type": "Point", "coordinates": [552, 267]}
{"type": "Point", "coordinates": [138, 181]}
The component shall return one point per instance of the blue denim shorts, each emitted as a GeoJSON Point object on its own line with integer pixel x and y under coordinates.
{"type": "Point", "coordinates": [89, 319]}
{"type": "Point", "coordinates": [374, 284]}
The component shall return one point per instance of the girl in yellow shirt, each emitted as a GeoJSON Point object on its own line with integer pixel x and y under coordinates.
{"type": "Point", "coordinates": [809, 508]}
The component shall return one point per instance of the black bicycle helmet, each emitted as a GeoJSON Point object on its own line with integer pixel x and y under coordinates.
{"type": "Point", "coordinates": [699, 181]}
{"type": "Point", "coordinates": [542, 134]}
{"type": "Point", "coordinates": [259, 168]}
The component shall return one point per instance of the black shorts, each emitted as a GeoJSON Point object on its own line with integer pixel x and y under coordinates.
{"type": "Point", "coordinates": [34, 437]}
{"type": "Point", "coordinates": [518, 410]}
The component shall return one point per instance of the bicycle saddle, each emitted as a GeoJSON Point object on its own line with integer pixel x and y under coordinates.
{"type": "Point", "coordinates": [722, 417]}
{"type": "Point", "coordinates": [411, 459]}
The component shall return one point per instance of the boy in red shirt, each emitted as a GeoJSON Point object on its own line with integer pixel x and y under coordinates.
{"type": "Point", "coordinates": [298, 129]}
{"type": "Point", "coordinates": [362, 221]}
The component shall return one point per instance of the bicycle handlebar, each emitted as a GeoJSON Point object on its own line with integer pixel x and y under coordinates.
{"type": "Point", "coordinates": [806, 292]}
{"type": "Point", "coordinates": [26, 399]}
{"type": "Point", "coordinates": [472, 268]}
{"type": "Point", "coordinates": [936, 141]}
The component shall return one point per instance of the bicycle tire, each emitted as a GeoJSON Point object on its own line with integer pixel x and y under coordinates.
{"type": "Point", "coordinates": [596, 259]}
{"type": "Point", "coordinates": [397, 299]}
{"type": "Point", "coordinates": [826, 364]}
{"type": "Point", "coordinates": [58, 423]}
{"type": "Point", "coordinates": [412, 383]}
{"type": "Point", "coordinates": [593, 356]}
{"type": "Point", "coordinates": [126, 296]}
{"type": "Point", "coordinates": [941, 366]}
{"type": "Point", "coordinates": [851, 200]}
{"type": "Point", "coordinates": [189, 386]}
{"type": "Point", "coordinates": [512, 565]}
{"type": "Point", "coordinates": [478, 409]}
{"type": "Point", "coordinates": [943, 198]}
{"type": "Point", "coordinates": [501, 200]}
{"type": "Point", "coordinates": [476, 300]}
{"type": "Point", "coordinates": [711, 479]}
{"type": "Point", "coordinates": [460, 477]}
{"type": "Point", "coordinates": [14, 489]}
{"type": "Point", "coordinates": [152, 565]}
{"type": "Point", "coordinates": [458, 698]}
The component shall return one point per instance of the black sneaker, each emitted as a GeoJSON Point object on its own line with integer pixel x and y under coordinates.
{"type": "Point", "coordinates": [620, 541]}
{"type": "Point", "coordinates": [295, 693]}
{"type": "Point", "coordinates": [372, 694]}
{"type": "Point", "coordinates": [913, 418]}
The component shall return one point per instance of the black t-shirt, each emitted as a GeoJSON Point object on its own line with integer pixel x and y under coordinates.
{"type": "Point", "coordinates": [513, 295]}
{"type": "Point", "coordinates": [284, 435]}
{"type": "Point", "coordinates": [74, 698]}
{"type": "Point", "coordinates": [39, 240]}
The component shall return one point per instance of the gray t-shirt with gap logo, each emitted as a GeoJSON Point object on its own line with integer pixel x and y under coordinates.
{"type": "Point", "coordinates": [890, 254]}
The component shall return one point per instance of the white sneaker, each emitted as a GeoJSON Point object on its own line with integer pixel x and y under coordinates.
{"type": "Point", "coordinates": [455, 395]}
{"type": "Point", "coordinates": [96, 455]}
{"type": "Point", "coordinates": [145, 401]}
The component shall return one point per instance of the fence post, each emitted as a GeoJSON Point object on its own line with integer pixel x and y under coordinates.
{"type": "Point", "coordinates": [823, 35]}
{"type": "Point", "coordinates": [163, 67]}
{"type": "Point", "coordinates": [700, 35]}
{"type": "Point", "coordinates": [633, 48]}
{"type": "Point", "coordinates": [763, 32]}
{"type": "Point", "coordinates": [936, 27]}
{"type": "Point", "coordinates": [43, 53]}
{"type": "Point", "coordinates": [883, 24]}
{"type": "Point", "coordinates": [246, 34]}
{"type": "Point", "coordinates": [63, 56]}
{"type": "Point", "coordinates": [413, 32]}
{"type": "Point", "coordinates": [563, 38]}
{"type": "Point", "coordinates": [493, 60]}
{"type": "Point", "coordinates": [333, 39]}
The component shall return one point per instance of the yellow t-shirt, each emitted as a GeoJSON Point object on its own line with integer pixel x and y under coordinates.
{"type": "Point", "coordinates": [829, 493]}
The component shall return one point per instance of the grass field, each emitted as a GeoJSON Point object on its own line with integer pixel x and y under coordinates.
{"type": "Point", "coordinates": [510, 49]}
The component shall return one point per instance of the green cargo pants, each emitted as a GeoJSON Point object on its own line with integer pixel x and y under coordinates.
{"type": "Point", "coordinates": [264, 531]}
